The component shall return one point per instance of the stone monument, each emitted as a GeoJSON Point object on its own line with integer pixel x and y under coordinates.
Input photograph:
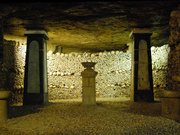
{"type": "Point", "coordinates": [88, 84]}
{"type": "Point", "coordinates": [35, 81]}
{"type": "Point", "coordinates": [142, 82]}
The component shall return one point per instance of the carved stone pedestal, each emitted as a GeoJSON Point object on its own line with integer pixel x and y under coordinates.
{"type": "Point", "coordinates": [4, 95]}
{"type": "Point", "coordinates": [88, 84]}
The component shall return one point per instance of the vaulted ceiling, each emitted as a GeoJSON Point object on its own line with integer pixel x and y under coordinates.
{"type": "Point", "coordinates": [88, 26]}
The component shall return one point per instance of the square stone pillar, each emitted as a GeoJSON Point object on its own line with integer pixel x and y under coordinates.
{"type": "Point", "coordinates": [88, 84]}
{"type": "Point", "coordinates": [142, 79]}
{"type": "Point", "coordinates": [35, 81]}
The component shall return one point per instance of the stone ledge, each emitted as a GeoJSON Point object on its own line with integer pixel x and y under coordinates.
{"type": "Point", "coordinates": [36, 32]}
{"type": "Point", "coordinates": [170, 94]}
{"type": "Point", "coordinates": [138, 31]}
{"type": "Point", "coordinates": [4, 94]}
{"type": "Point", "coordinates": [176, 78]}
{"type": "Point", "coordinates": [171, 108]}
{"type": "Point", "coordinates": [175, 14]}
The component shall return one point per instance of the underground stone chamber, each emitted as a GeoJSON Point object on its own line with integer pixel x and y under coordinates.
{"type": "Point", "coordinates": [89, 32]}
{"type": "Point", "coordinates": [79, 32]}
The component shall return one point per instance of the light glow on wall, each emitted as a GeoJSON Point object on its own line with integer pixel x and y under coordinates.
{"type": "Point", "coordinates": [113, 67]}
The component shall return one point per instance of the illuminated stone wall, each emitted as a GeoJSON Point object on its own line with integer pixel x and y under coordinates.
{"type": "Point", "coordinates": [114, 70]}
{"type": "Point", "coordinates": [160, 67]}
{"type": "Point", "coordinates": [64, 71]}
{"type": "Point", "coordinates": [13, 68]}
{"type": "Point", "coordinates": [113, 79]}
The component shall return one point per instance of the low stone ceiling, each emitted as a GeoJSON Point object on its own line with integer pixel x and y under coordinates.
{"type": "Point", "coordinates": [88, 26]}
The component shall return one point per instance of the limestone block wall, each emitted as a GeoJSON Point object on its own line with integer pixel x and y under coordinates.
{"type": "Point", "coordinates": [64, 71]}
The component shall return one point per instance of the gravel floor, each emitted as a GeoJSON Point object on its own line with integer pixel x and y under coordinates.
{"type": "Point", "coordinates": [108, 117]}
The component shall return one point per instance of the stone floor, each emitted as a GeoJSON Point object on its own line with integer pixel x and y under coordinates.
{"type": "Point", "coordinates": [116, 116]}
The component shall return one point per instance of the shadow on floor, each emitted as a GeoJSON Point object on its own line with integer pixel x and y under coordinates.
{"type": "Point", "coordinates": [139, 108]}
{"type": "Point", "coordinates": [142, 108]}
{"type": "Point", "coordinates": [20, 110]}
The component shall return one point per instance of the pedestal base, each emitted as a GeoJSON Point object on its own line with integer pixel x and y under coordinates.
{"type": "Point", "coordinates": [89, 97]}
{"type": "Point", "coordinates": [143, 96]}
{"type": "Point", "coordinates": [4, 95]}
{"type": "Point", "coordinates": [35, 99]}
{"type": "Point", "coordinates": [171, 105]}
{"type": "Point", "coordinates": [3, 110]}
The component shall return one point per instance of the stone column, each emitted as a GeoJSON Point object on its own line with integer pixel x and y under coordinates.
{"type": "Point", "coordinates": [88, 84]}
{"type": "Point", "coordinates": [4, 95]}
{"type": "Point", "coordinates": [174, 54]}
{"type": "Point", "coordinates": [142, 82]}
{"type": "Point", "coordinates": [171, 97]}
{"type": "Point", "coordinates": [35, 81]}
{"type": "Point", "coordinates": [1, 40]}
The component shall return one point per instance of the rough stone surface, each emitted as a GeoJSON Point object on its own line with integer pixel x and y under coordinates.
{"type": "Point", "coordinates": [171, 107]}
{"type": "Point", "coordinates": [90, 27]}
{"type": "Point", "coordinates": [160, 68]}
{"type": "Point", "coordinates": [93, 26]}
{"type": "Point", "coordinates": [13, 69]}
{"type": "Point", "coordinates": [110, 117]}
{"type": "Point", "coordinates": [64, 72]}
{"type": "Point", "coordinates": [171, 98]}
{"type": "Point", "coordinates": [174, 55]}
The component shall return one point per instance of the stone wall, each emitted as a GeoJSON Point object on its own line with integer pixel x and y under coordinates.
{"type": "Point", "coordinates": [114, 71]}
{"type": "Point", "coordinates": [64, 71]}
{"type": "Point", "coordinates": [112, 80]}
{"type": "Point", "coordinates": [174, 55]}
{"type": "Point", "coordinates": [160, 68]}
{"type": "Point", "coordinates": [12, 68]}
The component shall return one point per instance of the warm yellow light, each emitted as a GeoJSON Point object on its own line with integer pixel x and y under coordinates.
{"type": "Point", "coordinates": [49, 52]}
